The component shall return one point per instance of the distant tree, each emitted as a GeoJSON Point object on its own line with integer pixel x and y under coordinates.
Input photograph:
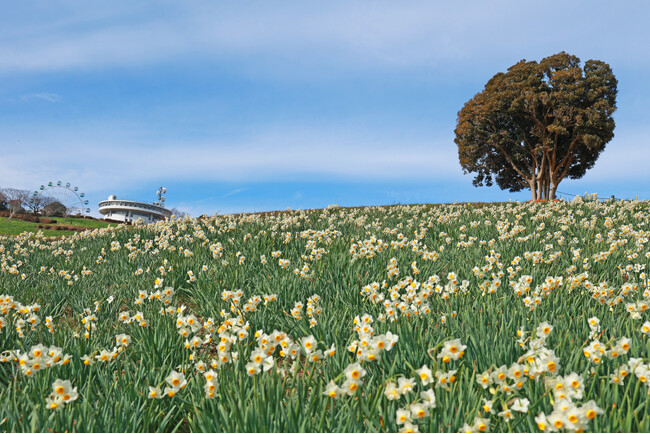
{"type": "Point", "coordinates": [537, 124]}
{"type": "Point", "coordinates": [15, 207]}
{"type": "Point", "coordinates": [55, 209]}
{"type": "Point", "coordinates": [179, 214]}
{"type": "Point", "coordinates": [3, 201]}
{"type": "Point", "coordinates": [15, 200]}
{"type": "Point", "coordinates": [37, 203]}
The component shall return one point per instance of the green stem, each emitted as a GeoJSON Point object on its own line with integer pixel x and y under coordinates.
{"type": "Point", "coordinates": [593, 383]}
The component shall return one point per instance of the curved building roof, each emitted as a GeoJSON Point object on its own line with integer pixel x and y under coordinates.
{"type": "Point", "coordinates": [112, 204]}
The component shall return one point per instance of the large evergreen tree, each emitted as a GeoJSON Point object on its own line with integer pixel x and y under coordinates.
{"type": "Point", "coordinates": [538, 123]}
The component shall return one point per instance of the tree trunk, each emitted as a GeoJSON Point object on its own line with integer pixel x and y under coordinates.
{"type": "Point", "coordinates": [553, 183]}
{"type": "Point", "coordinates": [533, 188]}
{"type": "Point", "coordinates": [542, 188]}
{"type": "Point", "coordinates": [546, 189]}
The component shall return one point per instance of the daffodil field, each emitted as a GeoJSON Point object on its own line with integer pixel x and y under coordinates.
{"type": "Point", "coordinates": [446, 318]}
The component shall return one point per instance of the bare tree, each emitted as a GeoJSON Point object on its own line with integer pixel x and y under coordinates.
{"type": "Point", "coordinates": [15, 207]}
{"type": "Point", "coordinates": [15, 200]}
{"type": "Point", "coordinates": [38, 203]}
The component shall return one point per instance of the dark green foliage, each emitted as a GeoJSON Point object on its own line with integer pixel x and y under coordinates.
{"type": "Point", "coordinates": [537, 124]}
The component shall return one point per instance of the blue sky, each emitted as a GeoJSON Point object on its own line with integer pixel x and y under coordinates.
{"type": "Point", "coordinates": [253, 106]}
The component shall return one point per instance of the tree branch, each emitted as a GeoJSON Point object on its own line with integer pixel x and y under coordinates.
{"type": "Point", "coordinates": [569, 157]}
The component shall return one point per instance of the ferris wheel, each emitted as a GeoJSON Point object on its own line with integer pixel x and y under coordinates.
{"type": "Point", "coordinates": [70, 197]}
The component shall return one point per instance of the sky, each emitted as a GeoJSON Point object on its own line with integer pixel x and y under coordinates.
{"type": "Point", "coordinates": [256, 105]}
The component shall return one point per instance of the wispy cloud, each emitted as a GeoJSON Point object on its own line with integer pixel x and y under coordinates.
{"type": "Point", "coordinates": [44, 96]}
{"type": "Point", "coordinates": [308, 35]}
{"type": "Point", "coordinates": [280, 153]}
{"type": "Point", "coordinates": [232, 193]}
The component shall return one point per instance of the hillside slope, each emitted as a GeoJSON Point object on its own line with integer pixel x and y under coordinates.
{"type": "Point", "coordinates": [377, 319]}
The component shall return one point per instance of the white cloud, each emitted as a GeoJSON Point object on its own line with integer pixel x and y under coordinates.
{"type": "Point", "coordinates": [281, 153]}
{"type": "Point", "coordinates": [304, 35]}
{"type": "Point", "coordinates": [46, 96]}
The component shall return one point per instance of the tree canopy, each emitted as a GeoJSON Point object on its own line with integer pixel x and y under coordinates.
{"type": "Point", "coordinates": [56, 209]}
{"type": "Point", "coordinates": [537, 124]}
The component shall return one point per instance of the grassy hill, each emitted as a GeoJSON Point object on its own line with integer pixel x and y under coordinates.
{"type": "Point", "coordinates": [62, 226]}
{"type": "Point", "coordinates": [500, 318]}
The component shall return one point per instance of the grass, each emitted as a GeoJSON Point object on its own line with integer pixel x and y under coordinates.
{"type": "Point", "coordinates": [15, 226]}
{"type": "Point", "coordinates": [83, 223]}
{"type": "Point", "coordinates": [227, 278]}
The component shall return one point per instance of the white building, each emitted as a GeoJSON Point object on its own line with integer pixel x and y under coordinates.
{"type": "Point", "coordinates": [131, 211]}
